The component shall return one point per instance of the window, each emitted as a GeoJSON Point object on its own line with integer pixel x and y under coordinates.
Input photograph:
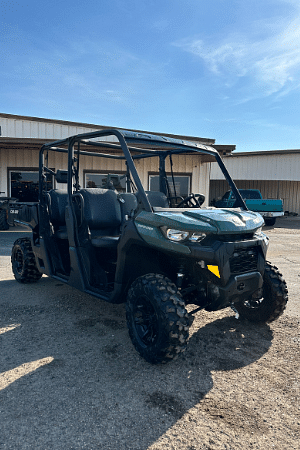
{"type": "Point", "coordinates": [102, 180]}
{"type": "Point", "coordinates": [250, 194]}
{"type": "Point", "coordinates": [182, 184]}
{"type": "Point", "coordinates": [24, 184]}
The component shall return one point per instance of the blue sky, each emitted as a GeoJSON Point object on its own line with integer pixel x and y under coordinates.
{"type": "Point", "coordinates": [223, 69]}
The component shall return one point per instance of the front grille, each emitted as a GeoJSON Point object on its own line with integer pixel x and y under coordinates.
{"type": "Point", "coordinates": [235, 237]}
{"type": "Point", "coordinates": [244, 260]}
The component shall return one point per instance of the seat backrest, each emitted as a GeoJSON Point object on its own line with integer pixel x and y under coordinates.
{"type": "Point", "coordinates": [58, 200]}
{"type": "Point", "coordinates": [102, 210]}
{"type": "Point", "coordinates": [157, 198]}
{"type": "Point", "coordinates": [129, 204]}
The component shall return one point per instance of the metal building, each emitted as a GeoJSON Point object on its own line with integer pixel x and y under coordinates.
{"type": "Point", "coordinates": [275, 173]}
{"type": "Point", "coordinates": [21, 138]}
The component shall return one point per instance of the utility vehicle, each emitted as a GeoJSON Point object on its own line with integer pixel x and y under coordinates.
{"type": "Point", "coordinates": [154, 250]}
{"type": "Point", "coordinates": [5, 203]}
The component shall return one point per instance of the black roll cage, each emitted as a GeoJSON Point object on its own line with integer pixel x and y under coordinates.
{"type": "Point", "coordinates": [167, 147]}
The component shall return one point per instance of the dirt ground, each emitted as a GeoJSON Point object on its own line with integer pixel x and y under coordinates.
{"type": "Point", "coordinates": [71, 379]}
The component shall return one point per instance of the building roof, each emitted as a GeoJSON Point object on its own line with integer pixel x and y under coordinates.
{"type": "Point", "coordinates": [32, 132]}
{"type": "Point", "coordinates": [265, 152]}
{"type": "Point", "coordinates": [207, 141]}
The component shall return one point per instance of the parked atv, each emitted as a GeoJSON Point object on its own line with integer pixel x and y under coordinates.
{"type": "Point", "coordinates": [151, 249]}
{"type": "Point", "coordinates": [4, 205]}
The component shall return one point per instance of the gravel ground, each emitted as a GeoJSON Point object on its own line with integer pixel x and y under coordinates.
{"type": "Point", "coordinates": [70, 378]}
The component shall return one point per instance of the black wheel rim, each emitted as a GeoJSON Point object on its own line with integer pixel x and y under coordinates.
{"type": "Point", "coordinates": [18, 261]}
{"type": "Point", "coordinates": [254, 302]}
{"type": "Point", "coordinates": [145, 321]}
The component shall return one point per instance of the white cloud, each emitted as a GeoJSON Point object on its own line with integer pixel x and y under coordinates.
{"type": "Point", "coordinates": [271, 64]}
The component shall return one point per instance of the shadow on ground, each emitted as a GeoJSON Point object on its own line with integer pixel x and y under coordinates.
{"type": "Point", "coordinates": [71, 379]}
{"type": "Point", "coordinates": [292, 223]}
{"type": "Point", "coordinates": [7, 238]}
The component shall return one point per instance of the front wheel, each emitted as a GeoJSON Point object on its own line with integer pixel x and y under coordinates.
{"type": "Point", "coordinates": [271, 302]}
{"type": "Point", "coordinates": [157, 320]}
{"type": "Point", "coordinates": [23, 262]}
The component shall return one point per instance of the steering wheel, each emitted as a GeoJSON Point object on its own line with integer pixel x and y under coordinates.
{"type": "Point", "coordinates": [191, 201]}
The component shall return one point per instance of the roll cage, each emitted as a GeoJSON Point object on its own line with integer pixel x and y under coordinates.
{"type": "Point", "coordinates": [135, 146]}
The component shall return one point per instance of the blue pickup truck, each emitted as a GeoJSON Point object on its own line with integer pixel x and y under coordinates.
{"type": "Point", "coordinates": [270, 209]}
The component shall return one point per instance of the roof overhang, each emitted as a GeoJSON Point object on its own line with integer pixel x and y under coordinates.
{"type": "Point", "coordinates": [10, 144]}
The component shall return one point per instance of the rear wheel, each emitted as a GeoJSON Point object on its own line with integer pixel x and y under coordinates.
{"type": "Point", "coordinates": [271, 301]}
{"type": "Point", "coordinates": [23, 262]}
{"type": "Point", "coordinates": [157, 320]}
{"type": "Point", "coordinates": [3, 220]}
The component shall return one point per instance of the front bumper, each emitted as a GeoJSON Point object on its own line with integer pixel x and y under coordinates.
{"type": "Point", "coordinates": [272, 214]}
{"type": "Point", "coordinates": [239, 288]}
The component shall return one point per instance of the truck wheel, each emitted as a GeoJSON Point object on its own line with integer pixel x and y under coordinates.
{"type": "Point", "coordinates": [23, 262]}
{"type": "Point", "coordinates": [3, 220]}
{"type": "Point", "coordinates": [157, 320]}
{"type": "Point", "coordinates": [270, 221]}
{"type": "Point", "coordinates": [273, 301]}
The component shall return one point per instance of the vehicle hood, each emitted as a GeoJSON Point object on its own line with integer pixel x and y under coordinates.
{"type": "Point", "coordinates": [208, 220]}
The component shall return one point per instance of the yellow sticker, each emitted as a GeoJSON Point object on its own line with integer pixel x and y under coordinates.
{"type": "Point", "coordinates": [214, 270]}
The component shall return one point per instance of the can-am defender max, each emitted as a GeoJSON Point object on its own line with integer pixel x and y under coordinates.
{"type": "Point", "coordinates": [151, 249]}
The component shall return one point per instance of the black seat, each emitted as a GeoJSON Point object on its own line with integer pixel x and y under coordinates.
{"type": "Point", "coordinates": [58, 200]}
{"type": "Point", "coordinates": [102, 212]}
{"type": "Point", "coordinates": [129, 204]}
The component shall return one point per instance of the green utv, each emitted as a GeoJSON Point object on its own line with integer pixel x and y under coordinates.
{"type": "Point", "coordinates": [154, 250]}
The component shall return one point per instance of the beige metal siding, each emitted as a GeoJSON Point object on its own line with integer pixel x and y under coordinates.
{"type": "Point", "coordinates": [26, 159]}
{"type": "Point", "coordinates": [181, 164]}
{"type": "Point", "coordinates": [36, 129]}
{"type": "Point", "coordinates": [3, 185]}
{"type": "Point", "coordinates": [283, 166]}
{"type": "Point", "coordinates": [18, 128]}
{"type": "Point", "coordinates": [275, 175]}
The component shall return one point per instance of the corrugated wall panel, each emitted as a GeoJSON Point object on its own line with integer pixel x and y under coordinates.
{"type": "Point", "coordinates": [204, 183]}
{"type": "Point", "coordinates": [14, 159]}
{"type": "Point", "coordinates": [195, 188]}
{"type": "Point", "coordinates": [3, 186]}
{"type": "Point", "coordinates": [10, 128]}
{"type": "Point", "coordinates": [34, 129]}
{"type": "Point", "coordinates": [41, 131]}
{"type": "Point", "coordinates": [29, 158]}
{"type": "Point", "coordinates": [260, 167]}
{"type": "Point", "coordinates": [142, 170]}
{"type": "Point", "coordinates": [18, 128]}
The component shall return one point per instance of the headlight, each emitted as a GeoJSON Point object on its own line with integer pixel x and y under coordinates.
{"type": "Point", "coordinates": [197, 237]}
{"type": "Point", "coordinates": [177, 235]}
{"type": "Point", "coordinates": [180, 236]}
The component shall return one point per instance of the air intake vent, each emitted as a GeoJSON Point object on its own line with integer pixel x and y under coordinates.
{"type": "Point", "coordinates": [244, 260]}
